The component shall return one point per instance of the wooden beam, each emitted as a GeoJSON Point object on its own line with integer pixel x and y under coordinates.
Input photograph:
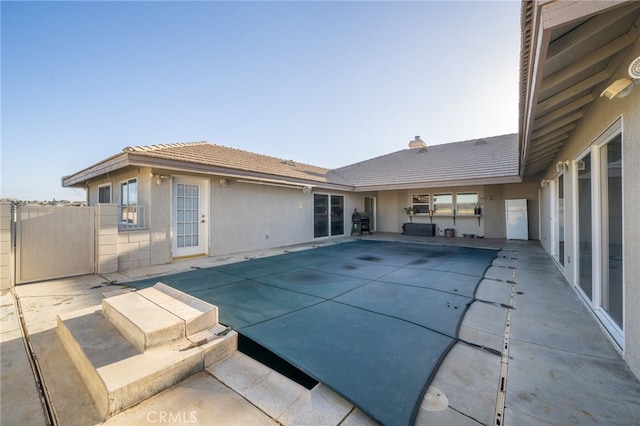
{"type": "Point", "coordinates": [557, 13]}
{"type": "Point", "coordinates": [583, 34]}
{"type": "Point", "coordinates": [543, 120]}
{"type": "Point", "coordinates": [557, 125]}
{"type": "Point", "coordinates": [542, 144]}
{"type": "Point", "coordinates": [587, 61]}
{"type": "Point", "coordinates": [543, 155]}
{"type": "Point", "coordinates": [585, 85]}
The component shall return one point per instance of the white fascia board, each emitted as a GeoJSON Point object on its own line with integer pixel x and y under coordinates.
{"type": "Point", "coordinates": [109, 165]}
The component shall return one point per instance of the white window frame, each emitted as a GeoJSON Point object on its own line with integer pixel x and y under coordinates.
{"type": "Point", "coordinates": [435, 204]}
{"type": "Point", "coordinates": [414, 204]}
{"type": "Point", "coordinates": [473, 209]}
{"type": "Point", "coordinates": [134, 222]}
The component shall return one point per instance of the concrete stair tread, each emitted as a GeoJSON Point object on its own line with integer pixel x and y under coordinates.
{"type": "Point", "coordinates": [145, 365]}
{"type": "Point", "coordinates": [125, 360]}
{"type": "Point", "coordinates": [141, 321]}
{"type": "Point", "coordinates": [197, 314]}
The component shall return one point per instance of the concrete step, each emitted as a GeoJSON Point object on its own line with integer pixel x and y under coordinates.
{"type": "Point", "coordinates": [158, 315]}
{"type": "Point", "coordinates": [196, 314]}
{"type": "Point", "coordinates": [120, 371]}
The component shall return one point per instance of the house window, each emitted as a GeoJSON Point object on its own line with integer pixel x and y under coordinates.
{"type": "Point", "coordinates": [466, 202]}
{"type": "Point", "coordinates": [443, 204]}
{"type": "Point", "coordinates": [420, 203]}
{"type": "Point", "coordinates": [104, 194]}
{"type": "Point", "coordinates": [128, 208]}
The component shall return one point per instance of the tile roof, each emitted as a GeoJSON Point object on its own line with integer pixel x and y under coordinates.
{"type": "Point", "coordinates": [477, 159]}
{"type": "Point", "coordinates": [208, 154]}
{"type": "Point", "coordinates": [485, 160]}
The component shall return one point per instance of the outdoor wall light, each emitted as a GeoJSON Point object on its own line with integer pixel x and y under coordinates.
{"type": "Point", "coordinates": [544, 183]}
{"type": "Point", "coordinates": [562, 166]}
{"type": "Point", "coordinates": [224, 183]}
{"type": "Point", "coordinates": [619, 88]}
{"type": "Point", "coordinates": [160, 178]}
{"type": "Point", "coordinates": [622, 87]}
{"type": "Point", "coordinates": [306, 189]}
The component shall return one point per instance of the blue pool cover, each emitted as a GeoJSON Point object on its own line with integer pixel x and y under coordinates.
{"type": "Point", "coordinates": [371, 320]}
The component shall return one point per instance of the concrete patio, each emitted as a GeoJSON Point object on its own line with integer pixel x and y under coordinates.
{"type": "Point", "coordinates": [535, 355]}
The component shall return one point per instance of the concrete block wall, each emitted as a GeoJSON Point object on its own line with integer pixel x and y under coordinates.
{"type": "Point", "coordinates": [107, 241]}
{"type": "Point", "coordinates": [5, 246]}
{"type": "Point", "coordinates": [134, 249]}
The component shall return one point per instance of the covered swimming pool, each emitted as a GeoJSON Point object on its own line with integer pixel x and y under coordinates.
{"type": "Point", "coordinates": [372, 320]}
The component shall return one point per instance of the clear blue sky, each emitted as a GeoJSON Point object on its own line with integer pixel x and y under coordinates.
{"type": "Point", "coordinates": [325, 83]}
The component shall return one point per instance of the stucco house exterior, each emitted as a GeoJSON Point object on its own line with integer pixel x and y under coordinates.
{"type": "Point", "coordinates": [583, 150]}
{"type": "Point", "coordinates": [198, 198]}
{"type": "Point", "coordinates": [576, 159]}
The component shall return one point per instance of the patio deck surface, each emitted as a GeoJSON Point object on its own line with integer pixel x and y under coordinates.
{"type": "Point", "coordinates": [562, 368]}
{"type": "Point", "coordinates": [371, 320]}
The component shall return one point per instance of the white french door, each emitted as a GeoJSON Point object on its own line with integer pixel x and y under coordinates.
{"type": "Point", "coordinates": [189, 216]}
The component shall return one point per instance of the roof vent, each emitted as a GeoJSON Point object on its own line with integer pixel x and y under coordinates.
{"type": "Point", "coordinates": [417, 143]}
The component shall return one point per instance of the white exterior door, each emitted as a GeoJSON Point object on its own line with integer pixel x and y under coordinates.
{"type": "Point", "coordinates": [190, 216]}
{"type": "Point", "coordinates": [517, 222]}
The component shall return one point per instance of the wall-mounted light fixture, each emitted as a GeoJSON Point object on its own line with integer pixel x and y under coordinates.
{"type": "Point", "coordinates": [544, 183]}
{"type": "Point", "coordinates": [224, 183]}
{"type": "Point", "coordinates": [160, 178]}
{"type": "Point", "coordinates": [562, 166]}
{"type": "Point", "coordinates": [623, 86]}
{"type": "Point", "coordinates": [619, 88]}
{"type": "Point", "coordinates": [306, 189]}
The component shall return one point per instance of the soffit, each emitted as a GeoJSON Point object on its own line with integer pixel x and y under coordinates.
{"type": "Point", "coordinates": [569, 54]}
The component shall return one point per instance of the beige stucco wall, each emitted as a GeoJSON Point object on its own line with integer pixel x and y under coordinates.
{"type": "Point", "coordinates": [246, 217]}
{"type": "Point", "coordinates": [251, 217]}
{"type": "Point", "coordinates": [599, 117]}
{"type": "Point", "coordinates": [492, 223]}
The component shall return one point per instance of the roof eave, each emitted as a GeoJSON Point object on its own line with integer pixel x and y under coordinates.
{"type": "Point", "coordinates": [120, 161]}
{"type": "Point", "coordinates": [538, 19]}
{"type": "Point", "coordinates": [496, 180]}
{"type": "Point", "coordinates": [79, 179]}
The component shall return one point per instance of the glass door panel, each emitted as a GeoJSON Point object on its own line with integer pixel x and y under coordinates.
{"type": "Point", "coordinates": [611, 288]}
{"type": "Point", "coordinates": [320, 215]}
{"type": "Point", "coordinates": [190, 211]}
{"type": "Point", "coordinates": [337, 215]}
{"type": "Point", "coordinates": [561, 219]}
{"type": "Point", "coordinates": [585, 260]}
{"type": "Point", "coordinates": [188, 215]}
{"type": "Point", "coordinates": [370, 208]}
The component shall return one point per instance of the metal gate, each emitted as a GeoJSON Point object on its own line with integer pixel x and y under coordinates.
{"type": "Point", "coordinates": [54, 242]}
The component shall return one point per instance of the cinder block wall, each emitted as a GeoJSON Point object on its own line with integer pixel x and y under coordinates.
{"type": "Point", "coordinates": [5, 246]}
{"type": "Point", "coordinates": [107, 244]}
{"type": "Point", "coordinates": [134, 249]}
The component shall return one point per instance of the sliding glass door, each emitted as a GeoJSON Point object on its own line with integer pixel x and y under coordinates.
{"type": "Point", "coordinates": [611, 290]}
{"type": "Point", "coordinates": [328, 215]}
{"type": "Point", "coordinates": [599, 228]}
{"type": "Point", "coordinates": [585, 264]}
{"type": "Point", "coordinates": [560, 216]}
